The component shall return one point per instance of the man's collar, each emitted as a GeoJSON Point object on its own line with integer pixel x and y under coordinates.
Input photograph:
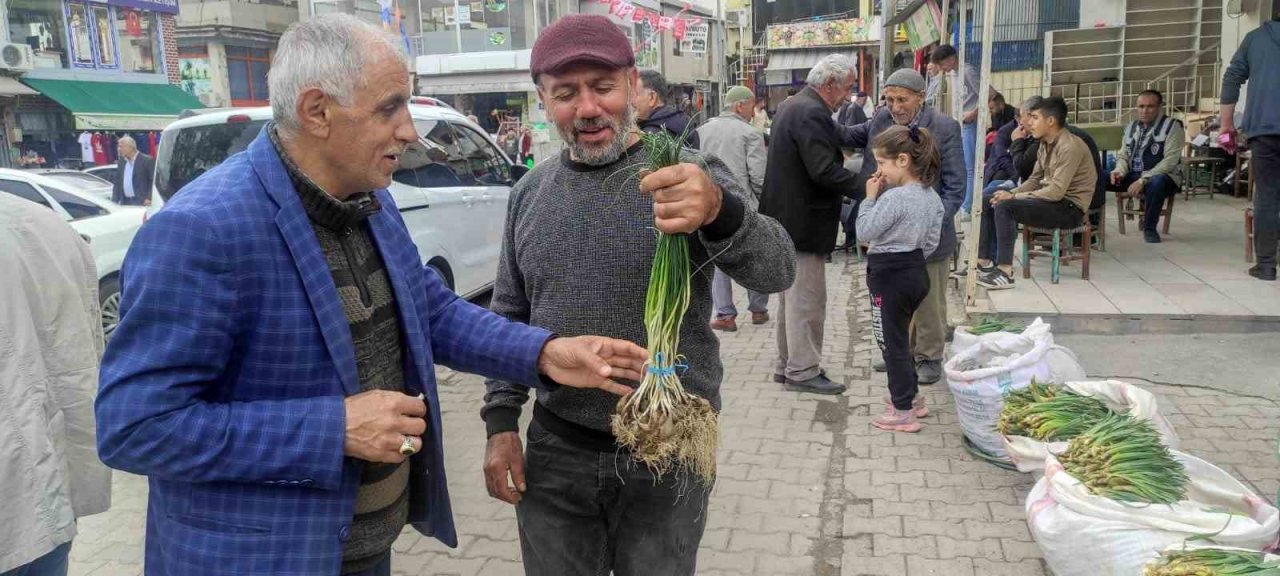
{"type": "Point", "coordinates": [1052, 140]}
{"type": "Point", "coordinates": [334, 214]}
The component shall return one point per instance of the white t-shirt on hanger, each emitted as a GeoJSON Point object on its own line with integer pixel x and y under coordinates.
{"type": "Point", "coordinates": [86, 147]}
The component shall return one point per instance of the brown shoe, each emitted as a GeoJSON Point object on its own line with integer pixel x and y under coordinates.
{"type": "Point", "coordinates": [758, 318]}
{"type": "Point", "coordinates": [725, 324]}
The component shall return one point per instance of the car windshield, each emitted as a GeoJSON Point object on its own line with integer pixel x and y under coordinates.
{"type": "Point", "coordinates": [193, 151]}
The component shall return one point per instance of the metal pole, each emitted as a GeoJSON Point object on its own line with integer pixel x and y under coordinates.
{"type": "Point", "coordinates": [980, 153]}
{"type": "Point", "coordinates": [457, 25]}
{"type": "Point", "coordinates": [946, 18]}
{"type": "Point", "coordinates": [957, 87]}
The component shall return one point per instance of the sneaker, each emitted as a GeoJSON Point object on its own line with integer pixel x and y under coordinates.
{"type": "Point", "coordinates": [918, 407]}
{"type": "Point", "coordinates": [1261, 272]}
{"type": "Point", "coordinates": [819, 384]}
{"type": "Point", "coordinates": [1151, 236]}
{"type": "Point", "coordinates": [779, 379]}
{"type": "Point", "coordinates": [878, 365]}
{"type": "Point", "coordinates": [725, 324]}
{"type": "Point", "coordinates": [995, 279]}
{"type": "Point", "coordinates": [759, 318]}
{"type": "Point", "coordinates": [896, 421]}
{"type": "Point", "coordinates": [928, 372]}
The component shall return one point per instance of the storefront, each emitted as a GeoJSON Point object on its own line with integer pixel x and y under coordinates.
{"type": "Point", "coordinates": [796, 47]}
{"type": "Point", "coordinates": [98, 68]}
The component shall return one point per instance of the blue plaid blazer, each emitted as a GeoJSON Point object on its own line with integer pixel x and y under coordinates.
{"type": "Point", "coordinates": [224, 383]}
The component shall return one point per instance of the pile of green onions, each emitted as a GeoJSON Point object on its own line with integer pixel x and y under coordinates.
{"type": "Point", "coordinates": [1211, 562]}
{"type": "Point", "coordinates": [661, 424]}
{"type": "Point", "coordinates": [992, 324]}
{"type": "Point", "coordinates": [1123, 458]}
{"type": "Point", "coordinates": [1049, 413]}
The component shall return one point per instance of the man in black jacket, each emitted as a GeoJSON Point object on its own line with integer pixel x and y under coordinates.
{"type": "Point", "coordinates": [134, 172]}
{"type": "Point", "coordinates": [803, 185]}
{"type": "Point", "coordinates": [653, 114]}
{"type": "Point", "coordinates": [853, 113]}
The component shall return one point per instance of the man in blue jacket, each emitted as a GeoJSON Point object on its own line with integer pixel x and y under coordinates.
{"type": "Point", "coordinates": [1258, 53]}
{"type": "Point", "coordinates": [904, 92]}
{"type": "Point", "coordinates": [273, 370]}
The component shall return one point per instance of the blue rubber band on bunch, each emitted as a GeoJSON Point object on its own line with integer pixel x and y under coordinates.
{"type": "Point", "coordinates": [658, 368]}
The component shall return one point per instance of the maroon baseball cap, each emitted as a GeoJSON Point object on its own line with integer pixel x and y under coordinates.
{"type": "Point", "coordinates": [580, 38]}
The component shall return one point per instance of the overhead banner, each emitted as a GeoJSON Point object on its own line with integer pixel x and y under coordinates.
{"type": "Point", "coordinates": [822, 34]}
{"type": "Point", "coordinates": [166, 6]}
{"type": "Point", "coordinates": [925, 26]}
{"type": "Point", "coordinates": [677, 25]}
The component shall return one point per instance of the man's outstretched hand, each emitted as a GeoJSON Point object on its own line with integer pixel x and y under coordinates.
{"type": "Point", "coordinates": [592, 362]}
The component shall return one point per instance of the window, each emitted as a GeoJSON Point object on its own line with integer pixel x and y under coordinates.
{"type": "Point", "coordinates": [247, 70]}
{"type": "Point", "coordinates": [434, 160]}
{"type": "Point", "coordinates": [91, 28]}
{"type": "Point", "coordinates": [41, 25]}
{"type": "Point", "coordinates": [138, 34]}
{"type": "Point", "coordinates": [485, 163]}
{"type": "Point", "coordinates": [24, 191]}
{"type": "Point", "coordinates": [195, 150]}
{"type": "Point", "coordinates": [77, 207]}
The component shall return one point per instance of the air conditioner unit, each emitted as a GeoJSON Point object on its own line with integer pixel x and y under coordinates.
{"type": "Point", "coordinates": [735, 18]}
{"type": "Point", "coordinates": [16, 57]}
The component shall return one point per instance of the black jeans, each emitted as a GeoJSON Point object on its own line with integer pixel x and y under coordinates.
{"type": "Point", "coordinates": [586, 513]}
{"type": "Point", "coordinates": [1154, 195]}
{"type": "Point", "coordinates": [1003, 220]}
{"type": "Point", "coordinates": [1266, 197]}
{"type": "Point", "coordinates": [898, 283]}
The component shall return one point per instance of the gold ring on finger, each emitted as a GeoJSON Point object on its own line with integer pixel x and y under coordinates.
{"type": "Point", "coordinates": [406, 447]}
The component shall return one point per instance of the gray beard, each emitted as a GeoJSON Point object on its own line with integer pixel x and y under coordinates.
{"type": "Point", "coordinates": [601, 156]}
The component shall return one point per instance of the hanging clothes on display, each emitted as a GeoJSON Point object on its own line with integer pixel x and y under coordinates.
{"type": "Point", "coordinates": [109, 143]}
{"type": "Point", "coordinates": [155, 143]}
{"type": "Point", "coordinates": [99, 149]}
{"type": "Point", "coordinates": [86, 147]}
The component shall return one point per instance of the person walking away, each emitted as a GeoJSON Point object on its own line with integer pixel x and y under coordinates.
{"type": "Point", "coordinates": [273, 372]}
{"type": "Point", "coordinates": [134, 173]}
{"type": "Point", "coordinates": [804, 184]}
{"type": "Point", "coordinates": [904, 92]}
{"type": "Point", "coordinates": [584, 506]}
{"type": "Point", "coordinates": [731, 138]}
{"type": "Point", "coordinates": [1149, 164]}
{"type": "Point", "coordinates": [965, 94]}
{"type": "Point", "coordinates": [654, 113]}
{"type": "Point", "coordinates": [1257, 55]}
{"type": "Point", "coordinates": [51, 336]}
{"type": "Point", "coordinates": [903, 225]}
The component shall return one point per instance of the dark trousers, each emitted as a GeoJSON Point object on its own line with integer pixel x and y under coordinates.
{"type": "Point", "coordinates": [898, 283]}
{"type": "Point", "coordinates": [1003, 219]}
{"type": "Point", "coordinates": [1158, 190]}
{"type": "Point", "coordinates": [1266, 197]}
{"type": "Point", "coordinates": [586, 513]}
{"type": "Point", "coordinates": [54, 563]}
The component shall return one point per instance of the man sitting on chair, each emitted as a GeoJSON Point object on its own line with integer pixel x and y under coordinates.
{"type": "Point", "coordinates": [1057, 195]}
{"type": "Point", "coordinates": [1149, 165]}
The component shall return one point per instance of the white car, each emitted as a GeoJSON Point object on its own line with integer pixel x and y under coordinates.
{"type": "Point", "coordinates": [79, 180]}
{"type": "Point", "coordinates": [106, 172]}
{"type": "Point", "coordinates": [451, 188]}
{"type": "Point", "coordinates": [108, 227]}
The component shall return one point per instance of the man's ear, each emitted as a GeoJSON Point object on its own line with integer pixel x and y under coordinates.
{"type": "Point", "coordinates": [312, 109]}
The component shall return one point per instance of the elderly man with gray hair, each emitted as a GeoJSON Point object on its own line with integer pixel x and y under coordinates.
{"type": "Point", "coordinates": [804, 184]}
{"type": "Point", "coordinates": [134, 171]}
{"type": "Point", "coordinates": [273, 370]}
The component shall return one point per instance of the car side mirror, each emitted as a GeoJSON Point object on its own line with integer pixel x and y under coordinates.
{"type": "Point", "coordinates": [517, 172]}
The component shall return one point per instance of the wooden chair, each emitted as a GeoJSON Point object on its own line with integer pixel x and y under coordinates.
{"type": "Point", "coordinates": [1248, 234]}
{"type": "Point", "coordinates": [1061, 250]}
{"type": "Point", "coordinates": [1133, 207]}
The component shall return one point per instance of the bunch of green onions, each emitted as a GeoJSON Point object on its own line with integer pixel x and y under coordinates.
{"type": "Point", "coordinates": [1123, 458]}
{"type": "Point", "coordinates": [992, 324]}
{"type": "Point", "coordinates": [1049, 413]}
{"type": "Point", "coordinates": [662, 424]}
{"type": "Point", "coordinates": [1211, 562]}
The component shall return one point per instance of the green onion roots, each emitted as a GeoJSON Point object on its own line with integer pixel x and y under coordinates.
{"type": "Point", "coordinates": [1211, 562]}
{"type": "Point", "coordinates": [1123, 458]}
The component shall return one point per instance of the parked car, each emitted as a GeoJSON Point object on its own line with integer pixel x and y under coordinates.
{"type": "Point", "coordinates": [108, 227]}
{"type": "Point", "coordinates": [451, 187]}
{"type": "Point", "coordinates": [77, 179]}
{"type": "Point", "coordinates": [106, 172]}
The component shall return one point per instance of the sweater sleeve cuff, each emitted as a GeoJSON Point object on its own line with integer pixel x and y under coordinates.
{"type": "Point", "coordinates": [732, 212]}
{"type": "Point", "coordinates": [501, 419]}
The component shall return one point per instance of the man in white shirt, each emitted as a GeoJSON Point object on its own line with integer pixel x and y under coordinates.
{"type": "Point", "coordinates": [133, 175]}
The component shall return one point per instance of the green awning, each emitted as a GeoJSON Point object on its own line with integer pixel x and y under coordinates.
{"type": "Point", "coordinates": [117, 105]}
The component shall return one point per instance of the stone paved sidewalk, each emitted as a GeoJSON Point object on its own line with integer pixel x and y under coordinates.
{"type": "Point", "coordinates": [806, 485]}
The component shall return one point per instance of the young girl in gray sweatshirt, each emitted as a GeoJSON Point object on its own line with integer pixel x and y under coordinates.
{"type": "Point", "coordinates": [902, 225]}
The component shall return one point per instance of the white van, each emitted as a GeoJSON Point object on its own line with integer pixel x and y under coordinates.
{"type": "Point", "coordinates": [452, 185]}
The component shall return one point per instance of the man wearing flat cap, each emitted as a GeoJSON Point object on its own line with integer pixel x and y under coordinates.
{"type": "Point", "coordinates": [904, 95]}
{"type": "Point", "coordinates": [577, 250]}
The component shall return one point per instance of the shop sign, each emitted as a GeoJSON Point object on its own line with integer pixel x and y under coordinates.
{"type": "Point", "coordinates": [166, 6]}
{"type": "Point", "coordinates": [844, 32]}
{"type": "Point", "coordinates": [925, 26]}
{"type": "Point", "coordinates": [194, 78]}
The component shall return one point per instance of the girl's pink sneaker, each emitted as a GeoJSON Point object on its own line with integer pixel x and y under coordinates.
{"type": "Point", "coordinates": [918, 407]}
{"type": "Point", "coordinates": [896, 421]}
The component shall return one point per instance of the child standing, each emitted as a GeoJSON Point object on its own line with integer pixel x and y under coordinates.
{"type": "Point", "coordinates": [902, 226]}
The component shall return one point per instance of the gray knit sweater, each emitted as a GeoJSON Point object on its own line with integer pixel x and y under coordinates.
{"type": "Point", "coordinates": [902, 219]}
{"type": "Point", "coordinates": [577, 250]}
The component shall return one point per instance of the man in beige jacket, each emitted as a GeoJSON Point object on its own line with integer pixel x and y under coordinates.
{"type": "Point", "coordinates": [51, 337]}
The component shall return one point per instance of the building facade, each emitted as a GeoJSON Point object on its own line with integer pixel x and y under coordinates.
{"type": "Point", "coordinates": [225, 48]}
{"type": "Point", "coordinates": [86, 68]}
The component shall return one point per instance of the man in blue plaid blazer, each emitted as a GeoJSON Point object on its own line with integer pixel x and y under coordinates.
{"type": "Point", "coordinates": [273, 370]}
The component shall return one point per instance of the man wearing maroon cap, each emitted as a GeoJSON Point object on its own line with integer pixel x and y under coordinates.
{"type": "Point", "coordinates": [577, 251]}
